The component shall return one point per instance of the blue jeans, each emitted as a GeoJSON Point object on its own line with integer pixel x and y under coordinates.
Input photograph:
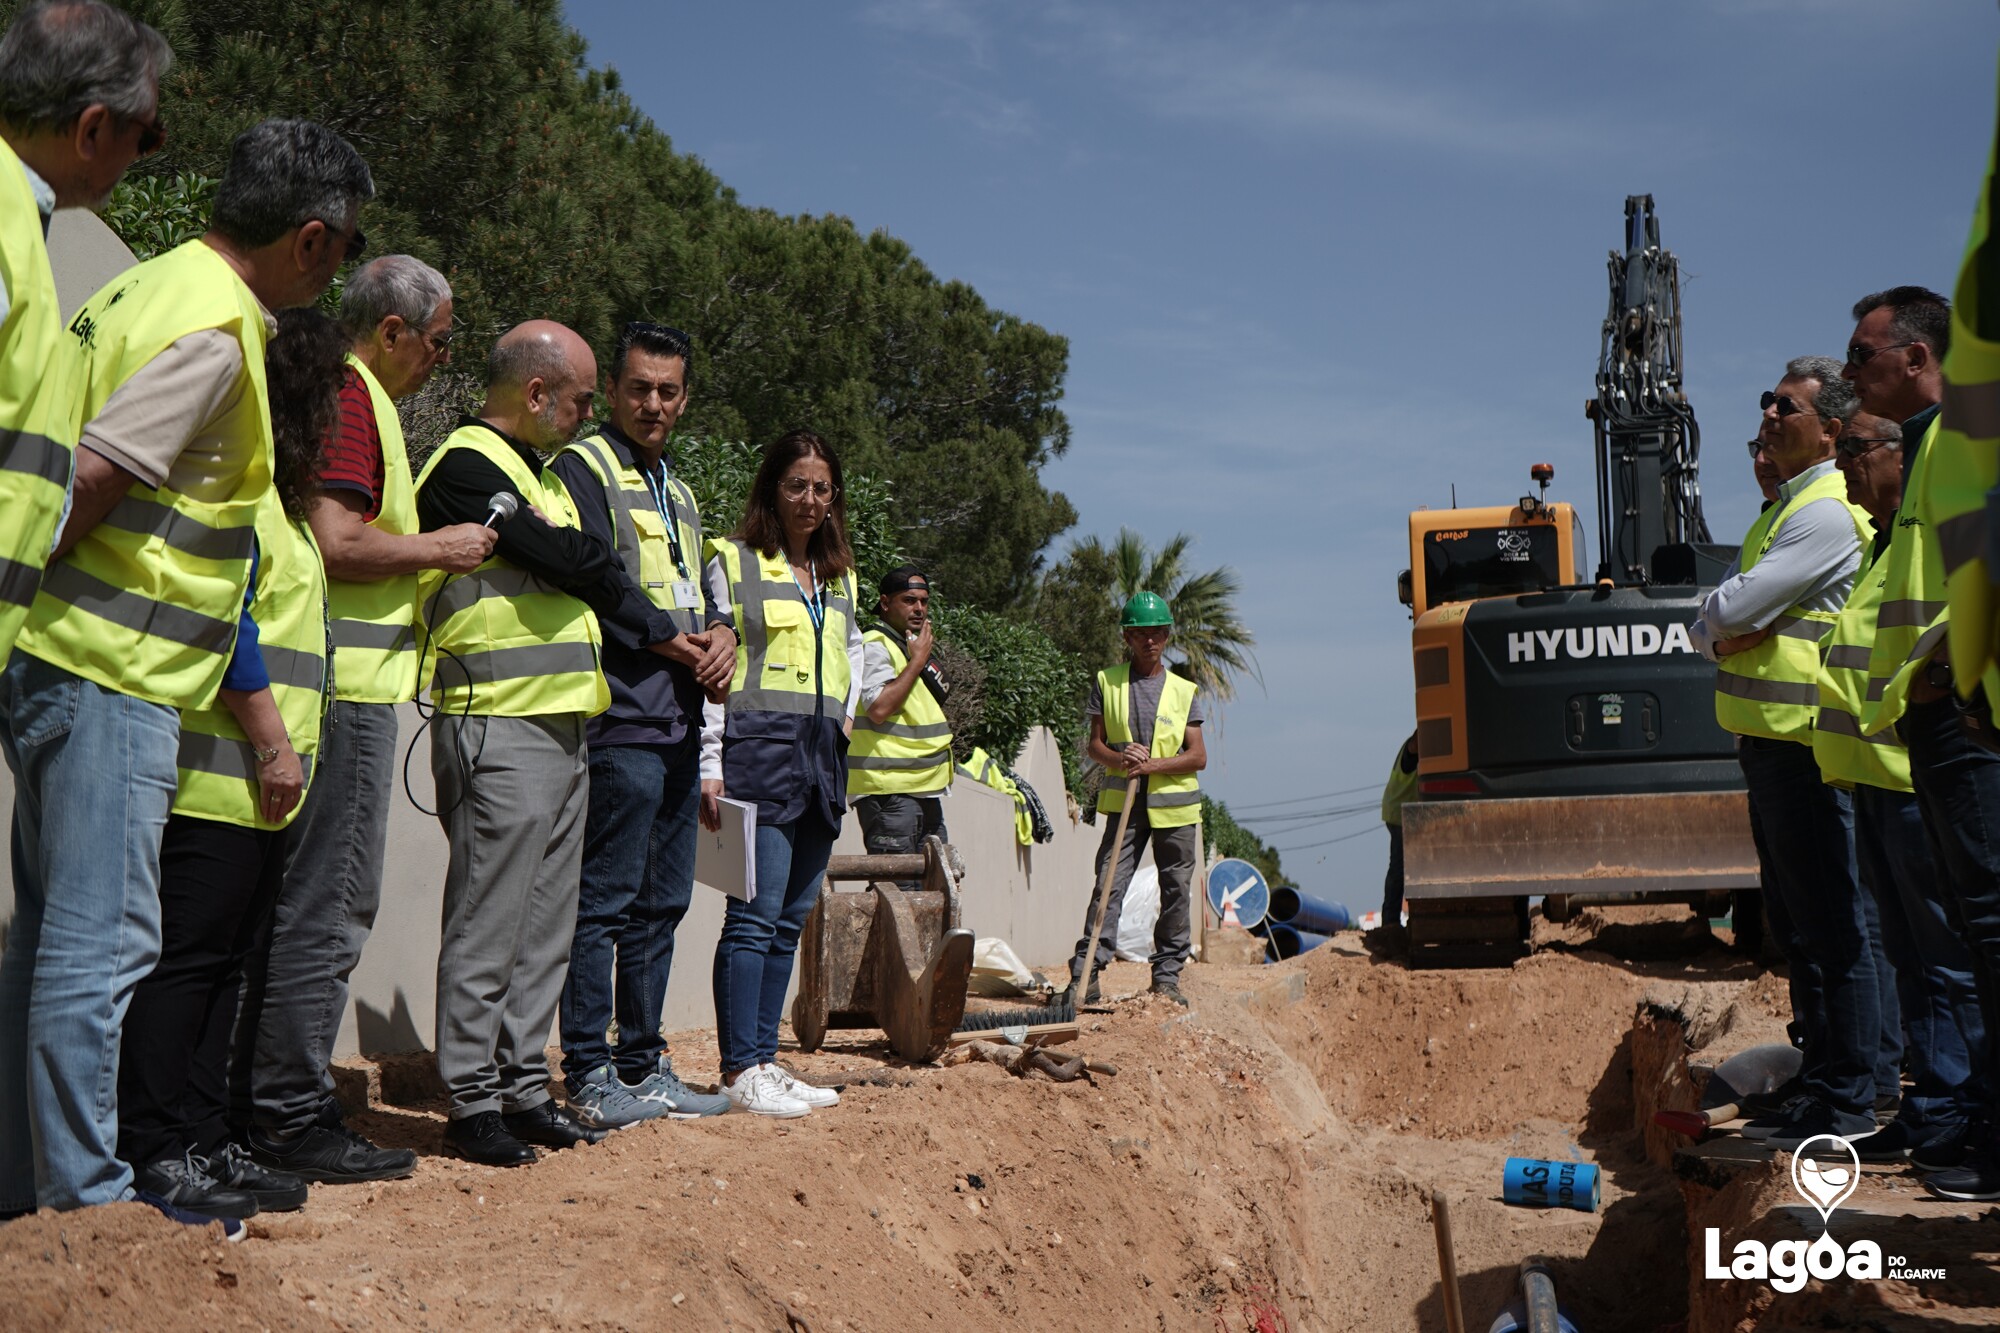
{"type": "Point", "coordinates": [1958, 790]}
{"type": "Point", "coordinates": [94, 775]}
{"type": "Point", "coordinates": [1940, 1003]}
{"type": "Point", "coordinates": [753, 960]}
{"type": "Point", "coordinates": [1888, 997]}
{"type": "Point", "coordinates": [1809, 831]}
{"type": "Point", "coordinates": [638, 878]}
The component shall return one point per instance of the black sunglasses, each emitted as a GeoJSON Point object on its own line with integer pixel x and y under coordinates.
{"type": "Point", "coordinates": [1757, 447]}
{"type": "Point", "coordinates": [1857, 355]}
{"type": "Point", "coordinates": [1851, 447]}
{"type": "Point", "coordinates": [1783, 402]}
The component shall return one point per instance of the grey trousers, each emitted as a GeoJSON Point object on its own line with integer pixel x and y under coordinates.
{"type": "Point", "coordinates": [512, 794]}
{"type": "Point", "coordinates": [892, 824]}
{"type": "Point", "coordinates": [293, 996]}
{"type": "Point", "coordinates": [1176, 853]}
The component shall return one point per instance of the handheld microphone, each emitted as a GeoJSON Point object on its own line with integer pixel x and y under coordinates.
{"type": "Point", "coordinates": [502, 506]}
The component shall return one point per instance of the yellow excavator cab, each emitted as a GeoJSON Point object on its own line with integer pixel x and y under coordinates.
{"type": "Point", "coordinates": [1460, 555]}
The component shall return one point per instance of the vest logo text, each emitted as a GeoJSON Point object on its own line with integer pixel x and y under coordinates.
{"type": "Point", "coordinates": [1547, 645]}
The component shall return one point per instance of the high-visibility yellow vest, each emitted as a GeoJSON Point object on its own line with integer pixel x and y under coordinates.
{"type": "Point", "coordinates": [502, 642]}
{"type": "Point", "coordinates": [1913, 618]}
{"type": "Point", "coordinates": [147, 603]}
{"type": "Point", "coordinates": [40, 408]}
{"type": "Point", "coordinates": [983, 769]}
{"type": "Point", "coordinates": [910, 754]}
{"type": "Point", "coordinates": [1771, 690]}
{"type": "Point", "coordinates": [1965, 466]}
{"type": "Point", "coordinates": [1172, 801]}
{"type": "Point", "coordinates": [641, 529]}
{"type": "Point", "coordinates": [218, 765]}
{"type": "Point", "coordinates": [1848, 758]}
{"type": "Point", "coordinates": [783, 663]}
{"type": "Point", "coordinates": [1399, 791]}
{"type": "Point", "coordinates": [375, 623]}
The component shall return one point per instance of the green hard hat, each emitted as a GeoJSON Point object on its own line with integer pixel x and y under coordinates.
{"type": "Point", "coordinates": [1146, 609]}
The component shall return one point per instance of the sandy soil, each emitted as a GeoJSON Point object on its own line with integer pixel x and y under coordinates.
{"type": "Point", "coordinates": [1262, 1164]}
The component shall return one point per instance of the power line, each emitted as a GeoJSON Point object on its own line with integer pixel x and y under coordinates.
{"type": "Point", "coordinates": [1308, 846]}
{"type": "Point", "coordinates": [1301, 800]}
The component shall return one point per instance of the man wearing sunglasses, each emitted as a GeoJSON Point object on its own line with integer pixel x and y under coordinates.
{"type": "Point", "coordinates": [1929, 963]}
{"type": "Point", "coordinates": [79, 102]}
{"type": "Point", "coordinates": [1763, 625]}
{"type": "Point", "coordinates": [1957, 780]}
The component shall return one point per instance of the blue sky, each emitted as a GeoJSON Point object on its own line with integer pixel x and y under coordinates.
{"type": "Point", "coordinates": [1319, 262]}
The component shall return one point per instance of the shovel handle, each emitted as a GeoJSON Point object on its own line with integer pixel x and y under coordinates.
{"type": "Point", "coordinates": [1104, 887]}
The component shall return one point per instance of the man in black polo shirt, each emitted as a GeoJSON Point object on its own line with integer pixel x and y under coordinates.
{"type": "Point", "coordinates": [645, 750]}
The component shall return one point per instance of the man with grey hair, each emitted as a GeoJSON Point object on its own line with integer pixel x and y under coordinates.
{"type": "Point", "coordinates": [79, 98]}
{"type": "Point", "coordinates": [513, 662]}
{"type": "Point", "coordinates": [1763, 625]}
{"type": "Point", "coordinates": [137, 618]}
{"type": "Point", "coordinates": [396, 311]}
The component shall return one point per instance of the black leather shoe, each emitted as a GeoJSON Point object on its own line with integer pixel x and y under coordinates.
{"type": "Point", "coordinates": [484, 1139]}
{"type": "Point", "coordinates": [274, 1191]}
{"type": "Point", "coordinates": [551, 1127]}
{"type": "Point", "coordinates": [332, 1154]}
{"type": "Point", "coordinates": [185, 1183]}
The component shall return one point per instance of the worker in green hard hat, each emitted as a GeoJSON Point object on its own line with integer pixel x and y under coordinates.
{"type": "Point", "coordinates": [1145, 724]}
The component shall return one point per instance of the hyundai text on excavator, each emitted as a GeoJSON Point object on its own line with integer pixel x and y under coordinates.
{"type": "Point", "coordinates": [1566, 727]}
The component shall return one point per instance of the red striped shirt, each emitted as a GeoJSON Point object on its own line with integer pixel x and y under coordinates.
{"type": "Point", "coordinates": [354, 454]}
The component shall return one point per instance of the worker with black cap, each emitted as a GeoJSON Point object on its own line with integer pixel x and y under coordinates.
{"type": "Point", "coordinates": [899, 760]}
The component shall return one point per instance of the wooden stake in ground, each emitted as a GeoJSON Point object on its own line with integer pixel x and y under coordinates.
{"type": "Point", "coordinates": [1454, 1313]}
{"type": "Point", "coordinates": [1104, 889]}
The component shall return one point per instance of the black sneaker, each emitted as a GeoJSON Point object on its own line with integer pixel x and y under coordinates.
{"type": "Point", "coordinates": [1819, 1120]}
{"type": "Point", "coordinates": [1946, 1151]}
{"type": "Point", "coordinates": [1891, 1143]}
{"type": "Point", "coordinates": [184, 1182]}
{"type": "Point", "coordinates": [1167, 990]}
{"type": "Point", "coordinates": [1764, 1126]}
{"type": "Point", "coordinates": [1092, 994]}
{"type": "Point", "coordinates": [549, 1126]}
{"type": "Point", "coordinates": [1978, 1181]}
{"type": "Point", "coordinates": [275, 1191]}
{"type": "Point", "coordinates": [1757, 1105]}
{"type": "Point", "coordinates": [233, 1229]}
{"type": "Point", "coordinates": [331, 1154]}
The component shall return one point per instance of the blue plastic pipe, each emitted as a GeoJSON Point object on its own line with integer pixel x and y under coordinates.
{"type": "Point", "coordinates": [1316, 915]}
{"type": "Point", "coordinates": [1284, 941]}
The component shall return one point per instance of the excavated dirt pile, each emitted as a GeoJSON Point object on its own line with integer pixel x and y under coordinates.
{"type": "Point", "coordinates": [1263, 1163]}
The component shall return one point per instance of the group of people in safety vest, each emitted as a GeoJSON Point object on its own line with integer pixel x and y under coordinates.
{"type": "Point", "coordinates": [1859, 684]}
{"type": "Point", "coordinates": [218, 581]}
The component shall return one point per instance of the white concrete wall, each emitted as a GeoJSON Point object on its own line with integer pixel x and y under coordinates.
{"type": "Point", "coordinates": [1034, 897]}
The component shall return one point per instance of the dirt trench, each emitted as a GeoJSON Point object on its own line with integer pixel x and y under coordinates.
{"type": "Point", "coordinates": [1264, 1163]}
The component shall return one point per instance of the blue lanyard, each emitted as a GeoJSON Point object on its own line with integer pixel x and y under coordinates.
{"type": "Point", "coordinates": [816, 599]}
{"type": "Point", "coordinates": [663, 500]}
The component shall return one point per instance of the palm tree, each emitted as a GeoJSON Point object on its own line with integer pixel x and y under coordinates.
{"type": "Point", "coordinates": [1213, 644]}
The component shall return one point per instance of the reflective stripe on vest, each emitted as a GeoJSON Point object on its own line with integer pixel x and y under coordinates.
{"type": "Point", "coordinates": [40, 407]}
{"type": "Point", "coordinates": [1846, 757]}
{"type": "Point", "coordinates": [910, 754]}
{"type": "Point", "coordinates": [1771, 690]}
{"type": "Point", "coordinates": [503, 642]}
{"type": "Point", "coordinates": [1171, 800]}
{"type": "Point", "coordinates": [148, 601]}
{"type": "Point", "coordinates": [218, 766]}
{"type": "Point", "coordinates": [1965, 464]}
{"type": "Point", "coordinates": [1913, 619]}
{"type": "Point", "coordinates": [641, 529]}
{"type": "Point", "coordinates": [782, 665]}
{"type": "Point", "coordinates": [374, 623]}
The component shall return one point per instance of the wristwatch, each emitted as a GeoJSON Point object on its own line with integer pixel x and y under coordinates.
{"type": "Point", "coordinates": [264, 756]}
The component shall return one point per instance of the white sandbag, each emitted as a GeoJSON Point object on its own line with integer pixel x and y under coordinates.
{"type": "Point", "coordinates": [997, 970]}
{"type": "Point", "coordinates": [1138, 916]}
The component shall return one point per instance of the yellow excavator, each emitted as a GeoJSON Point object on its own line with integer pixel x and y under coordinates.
{"type": "Point", "coordinates": [1566, 733]}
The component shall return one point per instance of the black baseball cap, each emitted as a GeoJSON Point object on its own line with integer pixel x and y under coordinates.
{"type": "Point", "coordinates": [902, 579]}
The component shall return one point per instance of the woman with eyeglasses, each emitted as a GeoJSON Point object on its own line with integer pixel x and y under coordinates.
{"type": "Point", "coordinates": [780, 743]}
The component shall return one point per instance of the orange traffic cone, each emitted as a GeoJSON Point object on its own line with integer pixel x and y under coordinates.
{"type": "Point", "coordinates": [1229, 917]}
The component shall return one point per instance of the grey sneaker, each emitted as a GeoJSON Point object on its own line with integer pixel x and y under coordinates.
{"type": "Point", "coordinates": [662, 1093]}
{"type": "Point", "coordinates": [605, 1103]}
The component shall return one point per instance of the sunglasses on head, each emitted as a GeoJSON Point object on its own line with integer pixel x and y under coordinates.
{"type": "Point", "coordinates": [1784, 403]}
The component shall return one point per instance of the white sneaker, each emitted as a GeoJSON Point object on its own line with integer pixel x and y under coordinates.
{"type": "Point", "coordinates": [799, 1090]}
{"type": "Point", "coordinates": [760, 1091]}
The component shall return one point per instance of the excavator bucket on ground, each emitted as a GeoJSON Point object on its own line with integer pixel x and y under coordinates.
{"type": "Point", "coordinates": [884, 956]}
{"type": "Point", "coordinates": [1469, 867]}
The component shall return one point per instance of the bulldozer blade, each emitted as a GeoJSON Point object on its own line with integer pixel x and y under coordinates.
{"type": "Point", "coordinates": [1616, 846]}
{"type": "Point", "coordinates": [919, 996]}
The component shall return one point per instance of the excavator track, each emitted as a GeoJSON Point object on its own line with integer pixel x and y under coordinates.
{"type": "Point", "coordinates": [1468, 932]}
